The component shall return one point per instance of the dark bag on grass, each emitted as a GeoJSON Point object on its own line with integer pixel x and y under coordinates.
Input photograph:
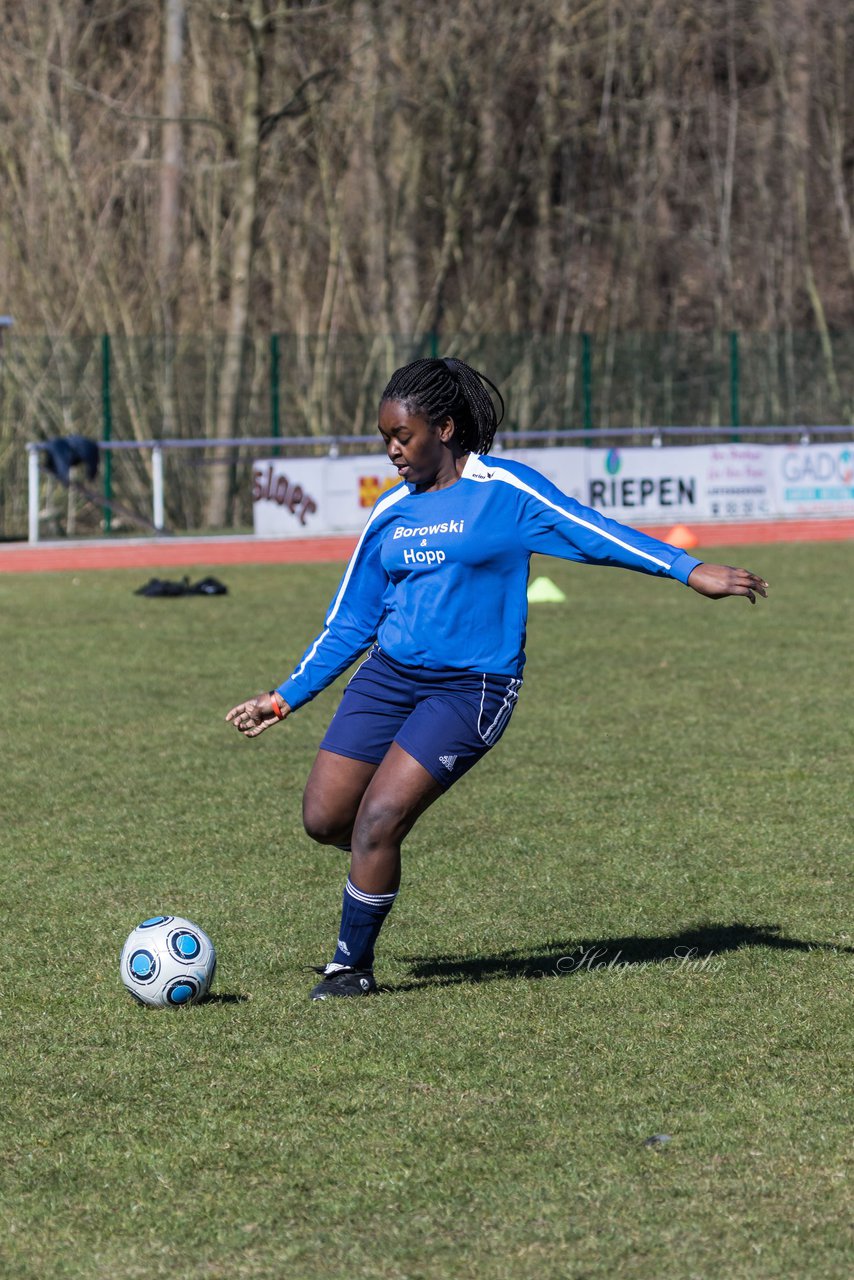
{"type": "Point", "coordinates": [163, 587]}
{"type": "Point", "coordinates": [209, 587]}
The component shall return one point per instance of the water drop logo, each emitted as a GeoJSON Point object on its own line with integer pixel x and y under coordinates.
{"type": "Point", "coordinates": [846, 466]}
{"type": "Point", "coordinates": [613, 462]}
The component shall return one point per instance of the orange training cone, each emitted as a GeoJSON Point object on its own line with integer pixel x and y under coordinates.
{"type": "Point", "coordinates": [681, 536]}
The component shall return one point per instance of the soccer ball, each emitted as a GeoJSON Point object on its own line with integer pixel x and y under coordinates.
{"type": "Point", "coordinates": [167, 961]}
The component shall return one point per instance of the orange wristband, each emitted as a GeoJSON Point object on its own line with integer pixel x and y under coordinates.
{"type": "Point", "coordinates": [277, 710]}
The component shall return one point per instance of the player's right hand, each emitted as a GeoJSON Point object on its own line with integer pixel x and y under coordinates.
{"type": "Point", "coordinates": [257, 714]}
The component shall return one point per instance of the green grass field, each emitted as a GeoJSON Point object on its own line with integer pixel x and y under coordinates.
{"type": "Point", "coordinates": [634, 918]}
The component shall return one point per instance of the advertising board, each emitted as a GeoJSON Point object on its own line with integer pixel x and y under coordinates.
{"type": "Point", "coordinates": [813, 480]}
{"type": "Point", "coordinates": [305, 497]}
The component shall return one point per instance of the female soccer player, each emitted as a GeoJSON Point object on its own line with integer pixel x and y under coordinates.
{"type": "Point", "coordinates": [436, 590]}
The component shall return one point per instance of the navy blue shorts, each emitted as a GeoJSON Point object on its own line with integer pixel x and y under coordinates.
{"type": "Point", "coordinates": [446, 719]}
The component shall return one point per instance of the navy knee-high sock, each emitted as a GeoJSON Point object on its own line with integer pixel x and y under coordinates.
{"type": "Point", "coordinates": [362, 918]}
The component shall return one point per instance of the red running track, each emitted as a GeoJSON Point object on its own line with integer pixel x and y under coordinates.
{"type": "Point", "coordinates": [164, 553]}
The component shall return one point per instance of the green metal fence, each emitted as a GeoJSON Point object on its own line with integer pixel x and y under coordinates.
{"type": "Point", "coordinates": [123, 388]}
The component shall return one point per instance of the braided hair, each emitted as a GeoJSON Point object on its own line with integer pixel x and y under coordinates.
{"type": "Point", "coordinates": [445, 388]}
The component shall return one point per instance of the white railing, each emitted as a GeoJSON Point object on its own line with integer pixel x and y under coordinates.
{"type": "Point", "coordinates": [158, 447]}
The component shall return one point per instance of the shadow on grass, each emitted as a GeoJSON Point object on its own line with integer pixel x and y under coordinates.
{"type": "Point", "coordinates": [224, 997]}
{"type": "Point", "coordinates": [692, 950]}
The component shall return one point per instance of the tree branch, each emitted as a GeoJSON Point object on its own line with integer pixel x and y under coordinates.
{"type": "Point", "coordinates": [298, 104]}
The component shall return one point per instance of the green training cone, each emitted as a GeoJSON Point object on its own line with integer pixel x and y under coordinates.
{"type": "Point", "coordinates": [544, 591]}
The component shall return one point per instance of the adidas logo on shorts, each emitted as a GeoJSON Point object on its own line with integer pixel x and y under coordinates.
{"type": "Point", "coordinates": [448, 762]}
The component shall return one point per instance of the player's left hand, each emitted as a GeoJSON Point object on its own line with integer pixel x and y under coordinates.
{"type": "Point", "coordinates": [256, 714]}
{"type": "Point", "coordinates": [719, 580]}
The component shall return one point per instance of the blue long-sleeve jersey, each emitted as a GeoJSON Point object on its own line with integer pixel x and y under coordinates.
{"type": "Point", "coordinates": [439, 580]}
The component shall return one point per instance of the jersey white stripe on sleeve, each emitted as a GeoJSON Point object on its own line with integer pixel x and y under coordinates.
{"type": "Point", "coordinates": [498, 473]}
{"type": "Point", "coordinates": [396, 495]}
